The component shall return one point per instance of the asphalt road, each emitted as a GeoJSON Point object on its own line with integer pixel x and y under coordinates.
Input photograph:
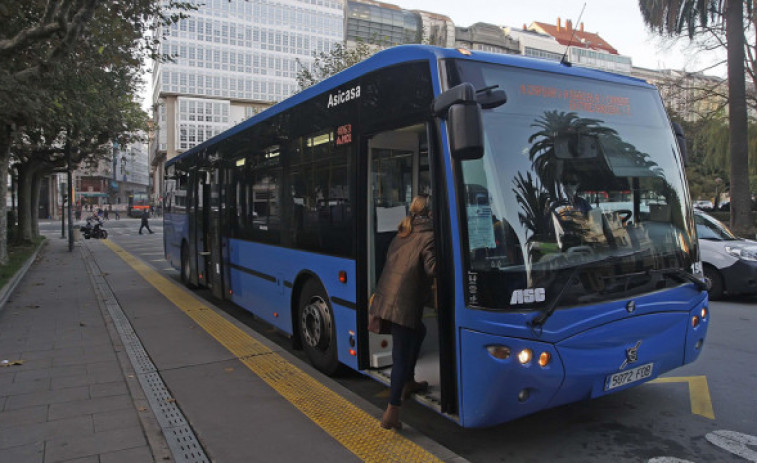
{"type": "Point", "coordinates": [660, 422]}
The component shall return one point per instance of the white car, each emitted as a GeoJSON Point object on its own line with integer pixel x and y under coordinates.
{"type": "Point", "coordinates": [730, 263]}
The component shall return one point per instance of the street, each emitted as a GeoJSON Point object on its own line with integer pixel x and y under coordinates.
{"type": "Point", "coordinates": [705, 411]}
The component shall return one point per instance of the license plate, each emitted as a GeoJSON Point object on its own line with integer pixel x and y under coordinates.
{"type": "Point", "coordinates": [628, 376]}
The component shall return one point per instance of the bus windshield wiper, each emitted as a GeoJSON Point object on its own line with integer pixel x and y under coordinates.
{"type": "Point", "coordinates": [539, 320]}
{"type": "Point", "coordinates": [683, 274]}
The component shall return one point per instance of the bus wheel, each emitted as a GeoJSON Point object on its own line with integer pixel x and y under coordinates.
{"type": "Point", "coordinates": [185, 269]}
{"type": "Point", "coordinates": [315, 322]}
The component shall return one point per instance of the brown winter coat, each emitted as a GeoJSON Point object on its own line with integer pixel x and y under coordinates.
{"type": "Point", "coordinates": [404, 284]}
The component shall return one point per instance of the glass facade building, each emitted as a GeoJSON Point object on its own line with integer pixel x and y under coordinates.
{"type": "Point", "coordinates": [381, 24]}
{"type": "Point", "coordinates": [232, 59]}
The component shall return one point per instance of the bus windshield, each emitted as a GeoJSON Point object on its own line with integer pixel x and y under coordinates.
{"type": "Point", "coordinates": [579, 197]}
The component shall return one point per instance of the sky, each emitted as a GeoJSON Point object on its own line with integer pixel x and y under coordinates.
{"type": "Point", "coordinates": [619, 22]}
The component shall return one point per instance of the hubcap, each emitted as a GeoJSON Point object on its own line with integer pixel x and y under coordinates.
{"type": "Point", "coordinates": [316, 324]}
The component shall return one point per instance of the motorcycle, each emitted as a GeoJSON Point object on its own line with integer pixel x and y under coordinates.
{"type": "Point", "coordinates": [94, 229]}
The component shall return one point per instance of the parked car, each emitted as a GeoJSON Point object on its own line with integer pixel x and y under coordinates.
{"type": "Point", "coordinates": [703, 204]}
{"type": "Point", "coordinates": [730, 263]}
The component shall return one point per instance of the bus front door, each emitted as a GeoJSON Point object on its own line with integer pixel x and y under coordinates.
{"type": "Point", "coordinates": [398, 170]}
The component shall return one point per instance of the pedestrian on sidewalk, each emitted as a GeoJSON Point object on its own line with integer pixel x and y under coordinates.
{"type": "Point", "coordinates": [400, 296]}
{"type": "Point", "coordinates": [145, 218]}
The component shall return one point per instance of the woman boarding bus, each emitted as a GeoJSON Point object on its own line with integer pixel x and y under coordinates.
{"type": "Point", "coordinates": [567, 260]}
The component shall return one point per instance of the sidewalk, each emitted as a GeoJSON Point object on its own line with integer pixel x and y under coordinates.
{"type": "Point", "coordinates": [67, 397]}
{"type": "Point", "coordinates": [106, 363]}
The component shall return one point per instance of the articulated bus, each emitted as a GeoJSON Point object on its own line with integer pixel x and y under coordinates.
{"type": "Point", "coordinates": [138, 204]}
{"type": "Point", "coordinates": [568, 263]}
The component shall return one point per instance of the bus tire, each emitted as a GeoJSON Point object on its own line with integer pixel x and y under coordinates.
{"type": "Point", "coordinates": [186, 270]}
{"type": "Point", "coordinates": [315, 325]}
{"type": "Point", "coordinates": [716, 283]}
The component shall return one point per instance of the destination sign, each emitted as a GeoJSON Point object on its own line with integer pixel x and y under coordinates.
{"type": "Point", "coordinates": [579, 100]}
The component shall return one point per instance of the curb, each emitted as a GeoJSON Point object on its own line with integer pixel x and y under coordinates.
{"type": "Point", "coordinates": [9, 287]}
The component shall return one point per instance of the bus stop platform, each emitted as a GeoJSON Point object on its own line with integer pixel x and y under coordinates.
{"type": "Point", "coordinates": [104, 359]}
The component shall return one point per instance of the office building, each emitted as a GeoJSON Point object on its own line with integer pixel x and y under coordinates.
{"type": "Point", "coordinates": [232, 60]}
{"type": "Point", "coordinates": [486, 37]}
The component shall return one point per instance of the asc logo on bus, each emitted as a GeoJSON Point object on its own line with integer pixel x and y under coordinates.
{"type": "Point", "coordinates": [527, 296]}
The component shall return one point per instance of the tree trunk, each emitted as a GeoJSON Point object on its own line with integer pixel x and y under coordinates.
{"type": "Point", "coordinates": [6, 134]}
{"type": "Point", "coordinates": [36, 182]}
{"type": "Point", "coordinates": [741, 202]}
{"type": "Point", "coordinates": [25, 180]}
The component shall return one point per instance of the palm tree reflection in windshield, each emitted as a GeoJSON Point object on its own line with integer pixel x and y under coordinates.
{"type": "Point", "coordinates": [570, 154]}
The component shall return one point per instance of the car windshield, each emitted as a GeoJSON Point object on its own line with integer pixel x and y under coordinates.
{"type": "Point", "coordinates": [709, 228]}
{"type": "Point", "coordinates": [580, 194]}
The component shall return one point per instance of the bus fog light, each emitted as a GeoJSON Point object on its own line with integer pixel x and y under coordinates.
{"type": "Point", "coordinates": [694, 321]}
{"type": "Point", "coordinates": [499, 352]}
{"type": "Point", "coordinates": [523, 395]}
{"type": "Point", "coordinates": [699, 344]}
{"type": "Point", "coordinates": [544, 359]}
{"type": "Point", "coordinates": [525, 356]}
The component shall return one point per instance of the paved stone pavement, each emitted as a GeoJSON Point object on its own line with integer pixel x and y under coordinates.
{"type": "Point", "coordinates": [72, 397]}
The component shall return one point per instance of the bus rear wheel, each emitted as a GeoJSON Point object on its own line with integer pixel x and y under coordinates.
{"type": "Point", "coordinates": [315, 323]}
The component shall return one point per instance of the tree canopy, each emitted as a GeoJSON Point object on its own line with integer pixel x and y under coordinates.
{"type": "Point", "coordinates": [673, 17]}
{"type": "Point", "coordinates": [69, 78]}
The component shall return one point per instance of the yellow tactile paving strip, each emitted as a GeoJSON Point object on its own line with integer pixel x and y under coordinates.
{"type": "Point", "coordinates": [352, 427]}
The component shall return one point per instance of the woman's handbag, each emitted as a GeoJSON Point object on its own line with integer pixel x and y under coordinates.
{"type": "Point", "coordinates": [377, 324]}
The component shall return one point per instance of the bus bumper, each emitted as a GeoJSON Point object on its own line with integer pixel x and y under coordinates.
{"type": "Point", "coordinates": [597, 362]}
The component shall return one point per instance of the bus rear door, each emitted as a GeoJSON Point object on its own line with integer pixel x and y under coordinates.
{"type": "Point", "coordinates": [214, 214]}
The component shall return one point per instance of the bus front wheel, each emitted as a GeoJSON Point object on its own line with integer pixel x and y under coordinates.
{"type": "Point", "coordinates": [716, 283]}
{"type": "Point", "coordinates": [315, 323]}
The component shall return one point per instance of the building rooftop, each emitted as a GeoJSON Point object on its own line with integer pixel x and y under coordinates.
{"type": "Point", "coordinates": [576, 37]}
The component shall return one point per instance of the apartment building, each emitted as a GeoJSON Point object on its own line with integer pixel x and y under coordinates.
{"type": "Point", "coordinates": [584, 48]}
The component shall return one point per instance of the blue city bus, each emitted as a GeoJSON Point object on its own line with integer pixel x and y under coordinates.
{"type": "Point", "coordinates": [568, 263]}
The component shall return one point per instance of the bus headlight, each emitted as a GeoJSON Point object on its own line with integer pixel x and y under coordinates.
{"type": "Point", "coordinates": [544, 359]}
{"type": "Point", "coordinates": [704, 313]}
{"type": "Point", "coordinates": [694, 321]}
{"type": "Point", "coordinates": [525, 356]}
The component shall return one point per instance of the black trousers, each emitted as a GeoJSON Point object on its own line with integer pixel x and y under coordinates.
{"type": "Point", "coordinates": [144, 225]}
{"type": "Point", "coordinates": [406, 346]}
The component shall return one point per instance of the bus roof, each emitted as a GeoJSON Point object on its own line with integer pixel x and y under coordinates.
{"type": "Point", "coordinates": [407, 53]}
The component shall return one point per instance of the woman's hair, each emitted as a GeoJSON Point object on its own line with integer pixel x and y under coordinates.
{"type": "Point", "coordinates": [418, 208]}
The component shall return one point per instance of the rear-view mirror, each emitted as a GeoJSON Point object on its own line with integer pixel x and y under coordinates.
{"type": "Point", "coordinates": [464, 124]}
{"type": "Point", "coordinates": [465, 131]}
